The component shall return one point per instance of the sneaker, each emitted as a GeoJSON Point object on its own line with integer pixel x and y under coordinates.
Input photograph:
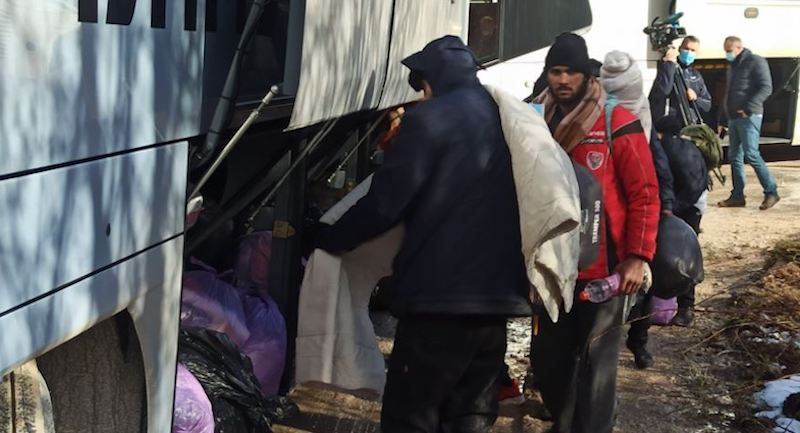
{"type": "Point", "coordinates": [732, 202]}
{"type": "Point", "coordinates": [510, 394]}
{"type": "Point", "coordinates": [641, 357]}
{"type": "Point", "coordinates": [683, 317]}
{"type": "Point", "coordinates": [769, 201]}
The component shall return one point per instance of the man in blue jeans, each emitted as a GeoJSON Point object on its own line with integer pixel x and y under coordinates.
{"type": "Point", "coordinates": [749, 85]}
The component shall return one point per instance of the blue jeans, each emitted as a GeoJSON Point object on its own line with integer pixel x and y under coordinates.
{"type": "Point", "coordinates": [744, 134]}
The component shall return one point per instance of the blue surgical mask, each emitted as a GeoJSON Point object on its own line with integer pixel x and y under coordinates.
{"type": "Point", "coordinates": [687, 57]}
{"type": "Point", "coordinates": [730, 56]}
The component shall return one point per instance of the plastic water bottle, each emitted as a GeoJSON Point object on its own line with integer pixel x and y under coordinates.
{"type": "Point", "coordinates": [598, 291]}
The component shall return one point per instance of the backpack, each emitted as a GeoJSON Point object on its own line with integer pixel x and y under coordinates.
{"type": "Point", "coordinates": [591, 198]}
{"type": "Point", "coordinates": [710, 147]}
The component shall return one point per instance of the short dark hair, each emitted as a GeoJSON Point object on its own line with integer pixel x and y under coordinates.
{"type": "Point", "coordinates": [733, 39]}
{"type": "Point", "coordinates": [688, 39]}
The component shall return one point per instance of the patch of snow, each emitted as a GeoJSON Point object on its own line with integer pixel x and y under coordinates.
{"type": "Point", "coordinates": [787, 425]}
{"type": "Point", "coordinates": [770, 414]}
{"type": "Point", "coordinates": [725, 400]}
{"type": "Point", "coordinates": [776, 392]}
{"type": "Point", "coordinates": [518, 347]}
{"type": "Point", "coordinates": [770, 335]}
{"type": "Point", "coordinates": [771, 399]}
{"type": "Point", "coordinates": [709, 429]}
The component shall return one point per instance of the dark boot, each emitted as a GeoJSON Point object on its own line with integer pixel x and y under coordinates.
{"type": "Point", "coordinates": [641, 357]}
{"type": "Point", "coordinates": [769, 201]}
{"type": "Point", "coordinates": [684, 317]}
{"type": "Point", "coordinates": [732, 202]}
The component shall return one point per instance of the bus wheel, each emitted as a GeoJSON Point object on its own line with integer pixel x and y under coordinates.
{"type": "Point", "coordinates": [97, 381]}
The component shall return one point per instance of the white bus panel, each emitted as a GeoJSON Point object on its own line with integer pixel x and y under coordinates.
{"type": "Point", "coordinates": [82, 78]}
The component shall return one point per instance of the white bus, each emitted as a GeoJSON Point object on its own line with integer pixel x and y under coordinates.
{"type": "Point", "coordinates": [765, 26]}
{"type": "Point", "coordinates": [102, 104]}
{"type": "Point", "coordinates": [105, 106]}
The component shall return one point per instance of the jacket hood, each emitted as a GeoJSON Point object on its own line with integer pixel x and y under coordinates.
{"type": "Point", "coordinates": [446, 63]}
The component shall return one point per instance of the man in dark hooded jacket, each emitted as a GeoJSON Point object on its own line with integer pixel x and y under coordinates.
{"type": "Point", "coordinates": [459, 273]}
{"type": "Point", "coordinates": [688, 180]}
{"type": "Point", "coordinates": [689, 171]}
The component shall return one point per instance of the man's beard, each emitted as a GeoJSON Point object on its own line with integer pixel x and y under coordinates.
{"type": "Point", "coordinates": [572, 100]}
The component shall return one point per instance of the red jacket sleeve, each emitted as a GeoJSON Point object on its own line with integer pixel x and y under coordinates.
{"type": "Point", "coordinates": [636, 171]}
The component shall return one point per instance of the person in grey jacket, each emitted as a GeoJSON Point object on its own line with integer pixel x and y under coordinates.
{"type": "Point", "coordinates": [749, 85]}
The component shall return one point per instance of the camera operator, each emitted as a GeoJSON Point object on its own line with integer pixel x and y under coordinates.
{"type": "Point", "coordinates": [663, 87]}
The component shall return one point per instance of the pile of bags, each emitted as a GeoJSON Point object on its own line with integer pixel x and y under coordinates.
{"type": "Point", "coordinates": [232, 346]}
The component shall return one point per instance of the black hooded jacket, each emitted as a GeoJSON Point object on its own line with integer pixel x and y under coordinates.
{"type": "Point", "coordinates": [686, 163]}
{"type": "Point", "coordinates": [688, 169]}
{"type": "Point", "coordinates": [448, 179]}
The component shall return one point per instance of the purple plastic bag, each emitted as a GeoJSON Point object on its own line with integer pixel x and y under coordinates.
{"type": "Point", "coordinates": [663, 310]}
{"type": "Point", "coordinates": [266, 346]}
{"type": "Point", "coordinates": [252, 321]}
{"type": "Point", "coordinates": [253, 261]}
{"type": "Point", "coordinates": [193, 412]}
{"type": "Point", "coordinates": [211, 303]}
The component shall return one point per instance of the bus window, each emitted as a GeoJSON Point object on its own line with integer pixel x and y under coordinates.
{"type": "Point", "coordinates": [529, 25]}
{"type": "Point", "coordinates": [266, 56]}
{"type": "Point", "coordinates": [503, 29]}
{"type": "Point", "coordinates": [484, 29]}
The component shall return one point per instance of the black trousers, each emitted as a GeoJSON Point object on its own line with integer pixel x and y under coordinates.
{"type": "Point", "coordinates": [575, 363]}
{"type": "Point", "coordinates": [443, 375]}
{"type": "Point", "coordinates": [640, 321]}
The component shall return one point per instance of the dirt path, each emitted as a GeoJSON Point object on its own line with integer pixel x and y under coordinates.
{"type": "Point", "coordinates": [679, 394]}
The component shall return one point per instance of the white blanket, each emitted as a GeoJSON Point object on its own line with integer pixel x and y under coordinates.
{"type": "Point", "coordinates": [336, 342]}
{"type": "Point", "coordinates": [549, 202]}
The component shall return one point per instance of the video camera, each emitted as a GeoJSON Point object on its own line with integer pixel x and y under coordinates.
{"type": "Point", "coordinates": [662, 33]}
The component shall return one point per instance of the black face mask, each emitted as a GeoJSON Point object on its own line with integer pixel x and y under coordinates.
{"type": "Point", "coordinates": [415, 81]}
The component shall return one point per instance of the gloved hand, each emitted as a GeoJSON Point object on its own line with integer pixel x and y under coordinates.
{"type": "Point", "coordinates": [313, 236]}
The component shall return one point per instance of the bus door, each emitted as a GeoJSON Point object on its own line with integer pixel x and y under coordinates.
{"type": "Point", "coordinates": [780, 109]}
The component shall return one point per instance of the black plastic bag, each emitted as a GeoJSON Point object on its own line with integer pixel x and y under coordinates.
{"type": "Point", "coordinates": [678, 264]}
{"type": "Point", "coordinates": [227, 377]}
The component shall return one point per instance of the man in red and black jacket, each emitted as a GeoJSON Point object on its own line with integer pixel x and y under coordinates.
{"type": "Point", "coordinates": [575, 359]}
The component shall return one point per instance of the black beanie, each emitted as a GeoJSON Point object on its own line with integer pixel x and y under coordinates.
{"type": "Point", "coordinates": [569, 50]}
